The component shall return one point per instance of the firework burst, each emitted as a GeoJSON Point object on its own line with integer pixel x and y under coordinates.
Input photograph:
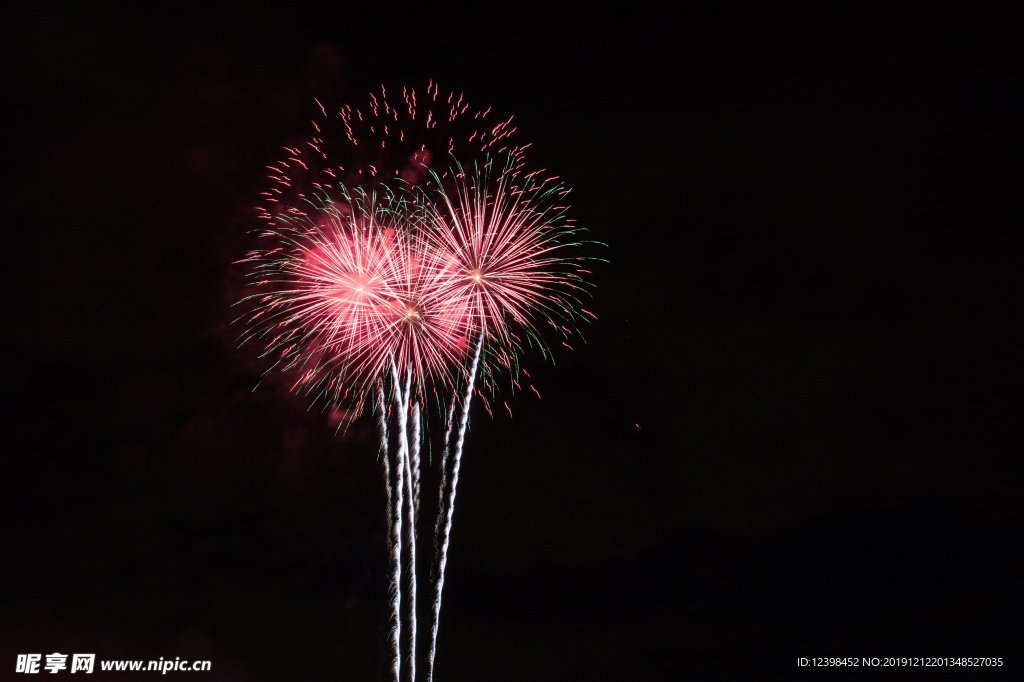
{"type": "Point", "coordinates": [343, 289]}
{"type": "Point", "coordinates": [381, 277]}
{"type": "Point", "coordinates": [509, 247]}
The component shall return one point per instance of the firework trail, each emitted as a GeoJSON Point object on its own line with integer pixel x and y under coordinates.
{"type": "Point", "coordinates": [439, 524]}
{"type": "Point", "coordinates": [442, 496]}
{"type": "Point", "coordinates": [402, 403]}
{"type": "Point", "coordinates": [444, 468]}
{"type": "Point", "coordinates": [416, 440]}
{"type": "Point", "coordinates": [449, 510]}
{"type": "Point", "coordinates": [382, 429]}
{"type": "Point", "coordinates": [395, 555]}
{"type": "Point", "coordinates": [393, 550]}
{"type": "Point", "coordinates": [414, 504]}
{"type": "Point", "coordinates": [410, 573]}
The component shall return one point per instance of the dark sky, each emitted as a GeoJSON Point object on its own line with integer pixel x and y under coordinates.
{"type": "Point", "coordinates": [794, 430]}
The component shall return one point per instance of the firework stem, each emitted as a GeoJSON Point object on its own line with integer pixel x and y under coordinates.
{"type": "Point", "coordinates": [449, 510]}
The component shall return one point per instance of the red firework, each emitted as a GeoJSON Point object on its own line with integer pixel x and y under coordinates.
{"type": "Point", "coordinates": [345, 291]}
{"type": "Point", "coordinates": [398, 135]}
{"type": "Point", "coordinates": [509, 240]}
{"type": "Point", "coordinates": [407, 267]}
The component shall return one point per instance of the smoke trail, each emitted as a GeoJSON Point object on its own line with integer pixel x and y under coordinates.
{"type": "Point", "coordinates": [446, 529]}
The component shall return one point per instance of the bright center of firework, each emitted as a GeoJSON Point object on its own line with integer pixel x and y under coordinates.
{"type": "Point", "coordinates": [360, 285]}
{"type": "Point", "coordinates": [476, 276]}
{"type": "Point", "coordinates": [353, 287]}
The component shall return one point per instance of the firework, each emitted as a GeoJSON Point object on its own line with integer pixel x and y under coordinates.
{"type": "Point", "coordinates": [343, 289]}
{"type": "Point", "coordinates": [396, 135]}
{"type": "Point", "coordinates": [386, 278]}
{"type": "Point", "coordinates": [509, 243]}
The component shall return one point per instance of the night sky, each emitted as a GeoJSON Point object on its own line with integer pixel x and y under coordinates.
{"type": "Point", "coordinates": [793, 431]}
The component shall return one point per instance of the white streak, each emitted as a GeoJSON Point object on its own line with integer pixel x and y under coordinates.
{"type": "Point", "coordinates": [442, 495]}
{"type": "Point", "coordinates": [416, 457]}
{"type": "Point", "coordinates": [443, 487]}
{"type": "Point", "coordinates": [382, 428]}
{"type": "Point", "coordinates": [384, 452]}
{"type": "Point", "coordinates": [395, 484]}
{"type": "Point", "coordinates": [449, 510]}
{"type": "Point", "coordinates": [402, 401]}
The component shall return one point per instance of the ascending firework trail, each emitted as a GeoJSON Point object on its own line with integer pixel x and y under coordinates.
{"type": "Point", "coordinates": [394, 550]}
{"type": "Point", "coordinates": [447, 507]}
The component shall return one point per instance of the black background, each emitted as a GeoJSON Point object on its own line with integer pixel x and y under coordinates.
{"type": "Point", "coordinates": [793, 431]}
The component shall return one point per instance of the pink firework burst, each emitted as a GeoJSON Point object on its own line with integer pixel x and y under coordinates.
{"type": "Point", "coordinates": [377, 255]}
{"type": "Point", "coordinates": [344, 289]}
{"type": "Point", "coordinates": [510, 246]}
